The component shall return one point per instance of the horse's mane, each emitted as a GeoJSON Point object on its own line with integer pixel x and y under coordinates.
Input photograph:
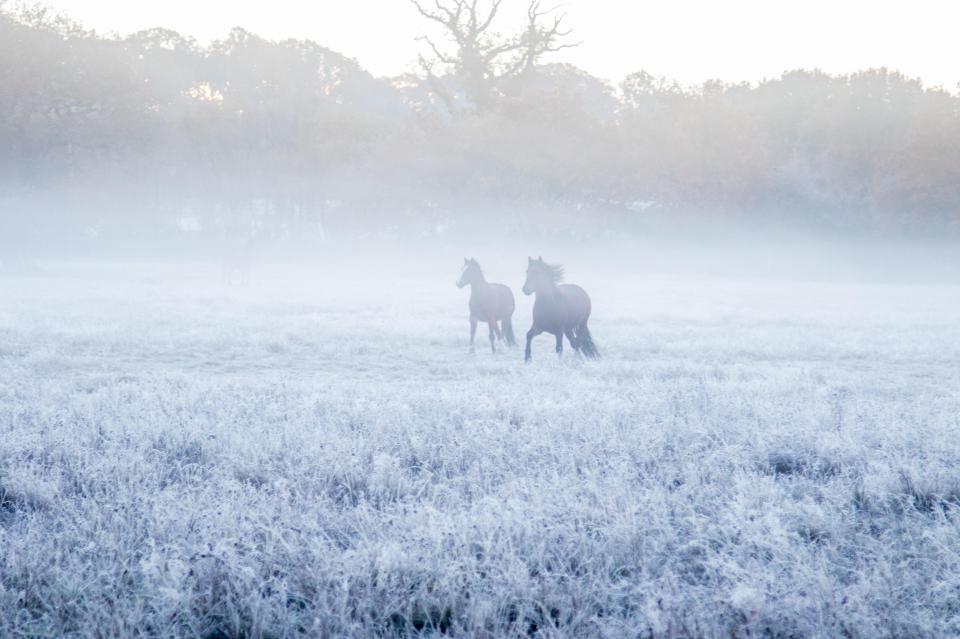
{"type": "Point", "coordinates": [554, 270]}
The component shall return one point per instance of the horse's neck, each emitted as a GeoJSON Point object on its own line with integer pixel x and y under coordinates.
{"type": "Point", "coordinates": [479, 285]}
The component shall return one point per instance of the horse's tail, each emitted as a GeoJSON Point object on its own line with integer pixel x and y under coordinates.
{"type": "Point", "coordinates": [507, 329]}
{"type": "Point", "coordinates": [585, 342]}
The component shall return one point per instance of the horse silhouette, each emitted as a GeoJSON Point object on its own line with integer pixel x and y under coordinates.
{"type": "Point", "coordinates": [490, 303]}
{"type": "Point", "coordinates": [559, 309]}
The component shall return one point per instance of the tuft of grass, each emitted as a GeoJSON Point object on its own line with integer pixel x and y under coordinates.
{"type": "Point", "coordinates": [801, 463]}
{"type": "Point", "coordinates": [930, 495]}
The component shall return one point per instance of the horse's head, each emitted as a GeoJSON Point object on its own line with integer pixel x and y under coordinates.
{"type": "Point", "coordinates": [471, 273]}
{"type": "Point", "coordinates": [541, 276]}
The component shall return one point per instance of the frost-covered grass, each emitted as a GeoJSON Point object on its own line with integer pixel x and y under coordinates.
{"type": "Point", "coordinates": [299, 457]}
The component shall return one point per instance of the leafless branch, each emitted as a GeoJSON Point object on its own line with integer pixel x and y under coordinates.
{"type": "Point", "coordinates": [494, 9]}
{"type": "Point", "coordinates": [483, 60]}
{"type": "Point", "coordinates": [446, 59]}
{"type": "Point", "coordinates": [442, 9]}
{"type": "Point", "coordinates": [429, 15]}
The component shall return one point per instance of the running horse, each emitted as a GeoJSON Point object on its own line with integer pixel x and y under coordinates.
{"type": "Point", "coordinates": [559, 309]}
{"type": "Point", "coordinates": [490, 303]}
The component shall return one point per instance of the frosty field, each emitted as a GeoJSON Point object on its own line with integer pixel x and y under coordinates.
{"type": "Point", "coordinates": [298, 457]}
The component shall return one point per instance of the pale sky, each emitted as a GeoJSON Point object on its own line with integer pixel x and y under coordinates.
{"type": "Point", "coordinates": [688, 40]}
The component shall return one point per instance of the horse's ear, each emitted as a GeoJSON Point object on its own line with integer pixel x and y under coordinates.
{"type": "Point", "coordinates": [529, 260]}
{"type": "Point", "coordinates": [540, 258]}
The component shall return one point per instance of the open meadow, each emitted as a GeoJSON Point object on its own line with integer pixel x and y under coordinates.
{"type": "Point", "coordinates": [772, 457]}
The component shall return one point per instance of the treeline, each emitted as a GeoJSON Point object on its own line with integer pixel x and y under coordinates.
{"type": "Point", "coordinates": [154, 132]}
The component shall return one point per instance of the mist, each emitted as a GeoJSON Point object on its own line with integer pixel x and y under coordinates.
{"type": "Point", "coordinates": [493, 348]}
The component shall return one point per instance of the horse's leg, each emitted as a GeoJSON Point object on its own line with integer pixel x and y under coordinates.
{"type": "Point", "coordinates": [493, 337]}
{"type": "Point", "coordinates": [473, 330]}
{"type": "Point", "coordinates": [560, 344]}
{"type": "Point", "coordinates": [533, 332]}
{"type": "Point", "coordinates": [496, 329]}
{"type": "Point", "coordinates": [573, 340]}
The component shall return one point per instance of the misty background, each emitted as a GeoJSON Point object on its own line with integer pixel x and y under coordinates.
{"type": "Point", "coordinates": [156, 144]}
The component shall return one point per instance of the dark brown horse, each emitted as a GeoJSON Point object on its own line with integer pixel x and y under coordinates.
{"type": "Point", "coordinates": [490, 303]}
{"type": "Point", "coordinates": [559, 309]}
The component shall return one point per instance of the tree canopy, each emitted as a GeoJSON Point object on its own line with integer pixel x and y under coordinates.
{"type": "Point", "coordinates": [145, 130]}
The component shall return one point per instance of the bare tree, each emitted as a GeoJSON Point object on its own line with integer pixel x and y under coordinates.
{"type": "Point", "coordinates": [481, 60]}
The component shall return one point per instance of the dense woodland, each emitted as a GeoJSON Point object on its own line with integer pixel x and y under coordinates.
{"type": "Point", "coordinates": [154, 133]}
